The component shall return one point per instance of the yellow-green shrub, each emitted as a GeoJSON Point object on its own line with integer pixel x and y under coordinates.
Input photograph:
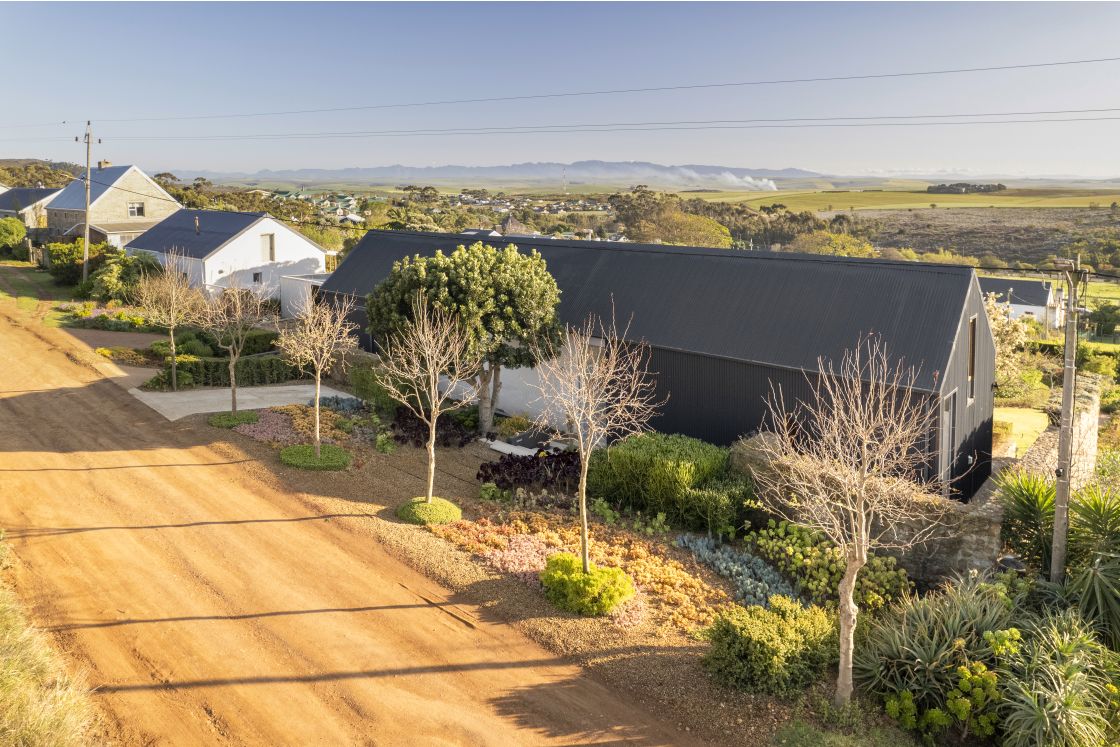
{"type": "Point", "coordinates": [596, 592]}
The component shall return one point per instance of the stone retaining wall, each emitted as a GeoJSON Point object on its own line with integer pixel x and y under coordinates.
{"type": "Point", "coordinates": [1042, 456]}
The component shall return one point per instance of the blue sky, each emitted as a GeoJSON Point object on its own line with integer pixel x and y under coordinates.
{"type": "Point", "coordinates": [160, 60]}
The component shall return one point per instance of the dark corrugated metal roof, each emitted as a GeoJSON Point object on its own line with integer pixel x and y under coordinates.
{"type": "Point", "coordinates": [1019, 290]}
{"type": "Point", "coordinates": [18, 198]}
{"type": "Point", "coordinates": [177, 232]}
{"type": "Point", "coordinates": [762, 307]}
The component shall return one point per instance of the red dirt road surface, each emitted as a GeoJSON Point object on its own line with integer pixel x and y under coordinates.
{"type": "Point", "coordinates": [208, 605]}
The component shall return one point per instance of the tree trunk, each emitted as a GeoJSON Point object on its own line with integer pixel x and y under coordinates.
{"type": "Point", "coordinates": [848, 612]}
{"type": "Point", "coordinates": [174, 362]}
{"type": "Point", "coordinates": [489, 384]}
{"type": "Point", "coordinates": [318, 377]}
{"type": "Point", "coordinates": [233, 384]}
{"type": "Point", "coordinates": [431, 458]}
{"type": "Point", "coordinates": [584, 535]}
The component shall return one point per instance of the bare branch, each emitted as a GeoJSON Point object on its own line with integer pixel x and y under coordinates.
{"type": "Point", "coordinates": [320, 338]}
{"type": "Point", "coordinates": [424, 363]}
{"type": "Point", "coordinates": [599, 387]}
{"type": "Point", "coordinates": [169, 301]}
{"type": "Point", "coordinates": [853, 464]}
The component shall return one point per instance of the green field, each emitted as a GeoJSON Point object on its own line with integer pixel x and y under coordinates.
{"type": "Point", "coordinates": [903, 199]}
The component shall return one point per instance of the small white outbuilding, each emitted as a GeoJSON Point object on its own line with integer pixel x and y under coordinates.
{"type": "Point", "coordinates": [221, 248]}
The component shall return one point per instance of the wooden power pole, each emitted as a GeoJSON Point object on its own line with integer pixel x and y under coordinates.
{"type": "Point", "coordinates": [1074, 275]}
{"type": "Point", "coordinates": [85, 246]}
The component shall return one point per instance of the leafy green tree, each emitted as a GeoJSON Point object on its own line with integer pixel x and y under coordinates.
{"type": "Point", "coordinates": [836, 244]}
{"type": "Point", "coordinates": [677, 227]}
{"type": "Point", "coordinates": [119, 277]}
{"type": "Point", "coordinates": [506, 299]}
{"type": "Point", "coordinates": [408, 219]}
{"type": "Point", "coordinates": [12, 232]}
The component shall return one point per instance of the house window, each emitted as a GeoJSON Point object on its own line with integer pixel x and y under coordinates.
{"type": "Point", "coordinates": [257, 277]}
{"type": "Point", "coordinates": [971, 359]}
{"type": "Point", "coordinates": [268, 247]}
{"type": "Point", "coordinates": [135, 210]}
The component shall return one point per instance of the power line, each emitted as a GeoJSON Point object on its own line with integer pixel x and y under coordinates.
{"type": "Point", "coordinates": [616, 91]}
{"type": "Point", "coordinates": [543, 130]}
{"type": "Point", "coordinates": [501, 129]}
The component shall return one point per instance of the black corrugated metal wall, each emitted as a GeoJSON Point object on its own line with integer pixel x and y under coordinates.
{"type": "Point", "coordinates": [972, 462]}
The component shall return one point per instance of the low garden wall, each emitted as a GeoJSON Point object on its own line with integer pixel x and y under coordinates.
{"type": "Point", "coordinates": [967, 538]}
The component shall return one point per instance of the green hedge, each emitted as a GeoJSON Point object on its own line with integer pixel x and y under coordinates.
{"type": "Point", "coordinates": [256, 371]}
{"type": "Point", "coordinates": [257, 341]}
{"type": "Point", "coordinates": [779, 650]}
{"type": "Point", "coordinates": [684, 478]}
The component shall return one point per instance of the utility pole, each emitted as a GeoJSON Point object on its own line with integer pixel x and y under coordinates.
{"type": "Point", "coordinates": [85, 246]}
{"type": "Point", "coordinates": [1074, 276]}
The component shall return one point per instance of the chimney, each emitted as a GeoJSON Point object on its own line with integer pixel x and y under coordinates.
{"type": "Point", "coordinates": [103, 165]}
{"type": "Point", "coordinates": [196, 231]}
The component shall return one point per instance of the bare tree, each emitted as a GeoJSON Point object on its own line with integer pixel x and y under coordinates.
{"type": "Point", "coordinates": [321, 337]}
{"type": "Point", "coordinates": [598, 385]}
{"type": "Point", "coordinates": [426, 361]}
{"type": "Point", "coordinates": [231, 316]}
{"type": "Point", "coordinates": [852, 464]}
{"type": "Point", "coordinates": [169, 301]}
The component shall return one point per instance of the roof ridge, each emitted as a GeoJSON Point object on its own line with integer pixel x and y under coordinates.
{"type": "Point", "coordinates": [705, 251]}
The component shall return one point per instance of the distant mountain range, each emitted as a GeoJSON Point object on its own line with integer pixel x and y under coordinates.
{"type": "Point", "coordinates": [604, 173]}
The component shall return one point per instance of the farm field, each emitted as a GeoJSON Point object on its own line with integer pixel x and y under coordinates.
{"type": "Point", "coordinates": [904, 199]}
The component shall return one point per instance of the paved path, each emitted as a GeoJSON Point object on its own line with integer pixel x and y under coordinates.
{"type": "Point", "coordinates": [175, 405]}
{"type": "Point", "coordinates": [211, 605]}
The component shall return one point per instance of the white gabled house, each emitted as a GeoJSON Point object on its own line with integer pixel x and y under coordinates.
{"type": "Point", "coordinates": [220, 248]}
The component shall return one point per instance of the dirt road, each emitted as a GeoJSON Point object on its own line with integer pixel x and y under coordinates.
{"type": "Point", "coordinates": [209, 605]}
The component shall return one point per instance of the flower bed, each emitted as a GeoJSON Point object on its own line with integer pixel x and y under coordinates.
{"type": "Point", "coordinates": [519, 542]}
{"type": "Point", "coordinates": [272, 427]}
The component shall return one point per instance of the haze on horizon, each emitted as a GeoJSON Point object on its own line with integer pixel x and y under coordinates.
{"type": "Point", "coordinates": [152, 61]}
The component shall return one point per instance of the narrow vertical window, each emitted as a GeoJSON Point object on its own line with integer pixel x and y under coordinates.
{"type": "Point", "coordinates": [268, 247]}
{"type": "Point", "coordinates": [971, 359]}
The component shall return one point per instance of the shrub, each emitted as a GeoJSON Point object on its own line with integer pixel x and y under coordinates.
{"type": "Point", "coordinates": [161, 382]}
{"type": "Point", "coordinates": [117, 278]}
{"type": "Point", "coordinates": [1094, 525]}
{"type": "Point", "coordinates": [419, 511]}
{"type": "Point", "coordinates": [597, 592]}
{"type": "Point", "coordinates": [345, 405]}
{"type": "Point", "coordinates": [1023, 389]}
{"type": "Point", "coordinates": [366, 388]}
{"type": "Point", "coordinates": [511, 426]}
{"type": "Point", "coordinates": [1059, 688]}
{"type": "Point", "coordinates": [196, 348]}
{"type": "Point", "coordinates": [1028, 515]}
{"type": "Point", "coordinates": [551, 472]}
{"type": "Point", "coordinates": [779, 650]}
{"type": "Point", "coordinates": [255, 371]}
{"type": "Point", "coordinates": [126, 356]}
{"type": "Point", "coordinates": [917, 644]}
{"type": "Point", "coordinates": [652, 472]}
{"type": "Point", "coordinates": [66, 261]}
{"type": "Point", "coordinates": [303, 456]}
{"type": "Point", "coordinates": [755, 581]}
{"type": "Point", "coordinates": [1105, 365]}
{"type": "Point", "coordinates": [12, 232]}
{"type": "Point", "coordinates": [1096, 587]}
{"type": "Point", "coordinates": [233, 419]}
{"type": "Point", "coordinates": [20, 252]}
{"type": "Point", "coordinates": [384, 443]}
{"type": "Point", "coordinates": [409, 429]}
{"type": "Point", "coordinates": [815, 566]}
{"type": "Point", "coordinates": [491, 492]}
{"type": "Point", "coordinates": [113, 321]}
{"type": "Point", "coordinates": [1110, 399]}
{"type": "Point", "coordinates": [257, 341]}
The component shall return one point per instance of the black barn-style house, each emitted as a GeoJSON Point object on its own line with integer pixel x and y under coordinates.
{"type": "Point", "coordinates": [726, 326]}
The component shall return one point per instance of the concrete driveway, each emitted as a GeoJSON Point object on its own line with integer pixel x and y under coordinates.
{"type": "Point", "coordinates": [175, 405]}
